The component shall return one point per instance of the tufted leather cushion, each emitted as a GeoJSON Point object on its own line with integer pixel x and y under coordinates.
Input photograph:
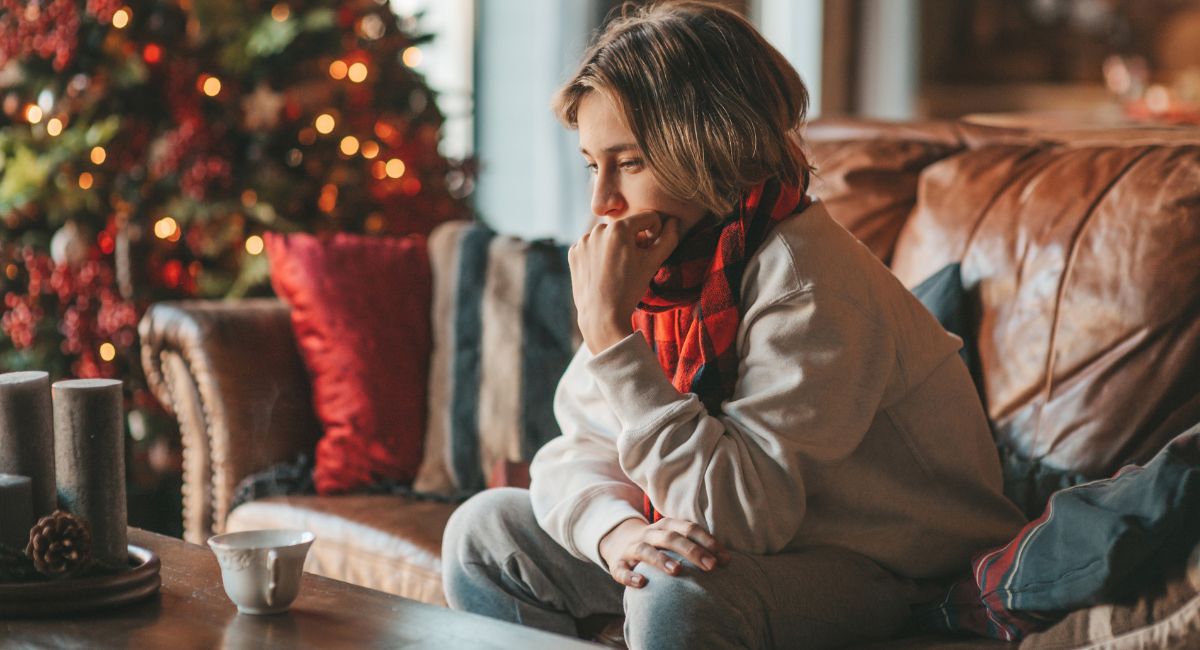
{"type": "Point", "coordinates": [870, 186]}
{"type": "Point", "coordinates": [1086, 264]}
{"type": "Point", "coordinates": [385, 542]}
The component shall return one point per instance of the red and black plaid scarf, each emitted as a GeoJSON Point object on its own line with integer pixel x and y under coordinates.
{"type": "Point", "coordinates": [692, 308]}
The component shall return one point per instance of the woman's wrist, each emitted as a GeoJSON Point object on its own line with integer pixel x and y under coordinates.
{"type": "Point", "coordinates": [604, 334]}
{"type": "Point", "coordinates": [615, 540]}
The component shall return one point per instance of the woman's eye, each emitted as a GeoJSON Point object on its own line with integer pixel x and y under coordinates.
{"type": "Point", "coordinates": [591, 167]}
{"type": "Point", "coordinates": [636, 163]}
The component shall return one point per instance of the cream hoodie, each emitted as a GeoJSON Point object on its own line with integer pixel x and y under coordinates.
{"type": "Point", "coordinates": [854, 423]}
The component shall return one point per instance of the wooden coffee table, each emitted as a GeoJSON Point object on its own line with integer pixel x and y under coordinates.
{"type": "Point", "coordinates": [192, 611]}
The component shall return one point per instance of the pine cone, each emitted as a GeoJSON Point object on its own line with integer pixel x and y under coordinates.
{"type": "Point", "coordinates": [60, 544]}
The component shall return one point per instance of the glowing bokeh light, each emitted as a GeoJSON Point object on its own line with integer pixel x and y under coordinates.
{"type": "Point", "coordinates": [120, 18]}
{"type": "Point", "coordinates": [166, 227]}
{"type": "Point", "coordinates": [324, 123]}
{"type": "Point", "coordinates": [254, 245]}
{"type": "Point", "coordinates": [395, 168]}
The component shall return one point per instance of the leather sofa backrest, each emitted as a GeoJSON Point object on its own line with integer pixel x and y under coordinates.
{"type": "Point", "coordinates": [1081, 250]}
{"type": "Point", "coordinates": [1085, 261]}
{"type": "Point", "coordinates": [867, 172]}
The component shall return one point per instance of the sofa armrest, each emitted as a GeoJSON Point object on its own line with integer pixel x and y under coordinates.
{"type": "Point", "coordinates": [233, 377]}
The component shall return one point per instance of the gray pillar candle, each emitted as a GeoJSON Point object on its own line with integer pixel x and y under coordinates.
{"type": "Point", "coordinates": [27, 434]}
{"type": "Point", "coordinates": [16, 511]}
{"type": "Point", "coordinates": [89, 451]}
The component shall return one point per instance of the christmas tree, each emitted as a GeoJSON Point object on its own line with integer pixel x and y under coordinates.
{"type": "Point", "coordinates": [146, 146]}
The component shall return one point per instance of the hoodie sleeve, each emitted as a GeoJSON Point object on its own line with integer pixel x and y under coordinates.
{"type": "Point", "coordinates": [578, 489]}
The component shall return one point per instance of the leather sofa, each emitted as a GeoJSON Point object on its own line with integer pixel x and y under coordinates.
{"type": "Point", "coordinates": [1080, 249]}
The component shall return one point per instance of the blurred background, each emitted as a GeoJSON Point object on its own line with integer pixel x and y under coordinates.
{"type": "Point", "coordinates": [146, 146]}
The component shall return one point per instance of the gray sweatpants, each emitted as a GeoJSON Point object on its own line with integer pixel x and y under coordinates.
{"type": "Point", "coordinates": [497, 561]}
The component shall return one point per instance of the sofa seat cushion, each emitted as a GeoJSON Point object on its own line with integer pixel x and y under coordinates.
{"type": "Point", "coordinates": [384, 542]}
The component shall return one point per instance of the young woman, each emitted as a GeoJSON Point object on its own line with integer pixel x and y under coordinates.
{"type": "Point", "coordinates": [767, 440]}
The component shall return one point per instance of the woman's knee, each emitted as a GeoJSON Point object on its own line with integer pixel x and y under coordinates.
{"type": "Point", "coordinates": [477, 539]}
{"type": "Point", "coordinates": [676, 612]}
{"type": "Point", "coordinates": [485, 525]}
{"type": "Point", "coordinates": [695, 608]}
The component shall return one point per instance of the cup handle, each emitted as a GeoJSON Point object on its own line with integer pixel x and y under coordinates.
{"type": "Point", "coordinates": [273, 570]}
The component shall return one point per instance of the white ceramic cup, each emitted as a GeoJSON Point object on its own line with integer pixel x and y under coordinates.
{"type": "Point", "coordinates": [261, 568]}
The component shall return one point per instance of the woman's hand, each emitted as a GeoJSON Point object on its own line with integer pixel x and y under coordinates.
{"type": "Point", "coordinates": [611, 266]}
{"type": "Point", "coordinates": [634, 541]}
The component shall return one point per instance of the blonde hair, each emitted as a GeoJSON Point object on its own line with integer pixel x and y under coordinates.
{"type": "Point", "coordinates": [714, 108]}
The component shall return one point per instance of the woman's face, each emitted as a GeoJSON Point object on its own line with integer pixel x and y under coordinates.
{"type": "Point", "coordinates": [623, 184]}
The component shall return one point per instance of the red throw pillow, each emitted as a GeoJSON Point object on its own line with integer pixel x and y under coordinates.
{"type": "Point", "coordinates": [360, 310]}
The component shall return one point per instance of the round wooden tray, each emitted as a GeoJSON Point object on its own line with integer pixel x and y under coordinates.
{"type": "Point", "coordinates": [55, 598]}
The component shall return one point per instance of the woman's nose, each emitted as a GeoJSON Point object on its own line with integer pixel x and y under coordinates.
{"type": "Point", "coordinates": [606, 198]}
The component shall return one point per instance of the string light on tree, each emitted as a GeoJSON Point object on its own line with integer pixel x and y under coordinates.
{"type": "Point", "coordinates": [370, 149]}
{"type": "Point", "coordinates": [338, 69]}
{"type": "Point", "coordinates": [210, 85]}
{"type": "Point", "coordinates": [412, 56]}
{"type": "Point", "coordinates": [108, 351]}
{"type": "Point", "coordinates": [280, 12]}
{"type": "Point", "coordinates": [357, 72]}
{"type": "Point", "coordinates": [121, 17]}
{"type": "Point", "coordinates": [165, 228]}
{"type": "Point", "coordinates": [98, 155]}
{"type": "Point", "coordinates": [254, 245]}
{"type": "Point", "coordinates": [395, 168]}
{"type": "Point", "coordinates": [371, 27]}
{"type": "Point", "coordinates": [54, 127]}
{"type": "Point", "coordinates": [349, 145]}
{"type": "Point", "coordinates": [33, 114]}
{"type": "Point", "coordinates": [85, 181]}
{"type": "Point", "coordinates": [324, 123]}
{"type": "Point", "coordinates": [152, 53]}
{"type": "Point", "coordinates": [384, 131]}
{"type": "Point", "coordinates": [328, 200]}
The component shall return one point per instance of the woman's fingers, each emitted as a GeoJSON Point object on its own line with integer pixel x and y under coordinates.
{"type": "Point", "coordinates": [668, 238]}
{"type": "Point", "coordinates": [699, 535]}
{"type": "Point", "coordinates": [642, 228]}
{"type": "Point", "coordinates": [641, 221]}
{"type": "Point", "coordinates": [624, 574]}
{"type": "Point", "coordinates": [685, 547]}
{"type": "Point", "coordinates": [649, 554]}
{"type": "Point", "coordinates": [652, 544]}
